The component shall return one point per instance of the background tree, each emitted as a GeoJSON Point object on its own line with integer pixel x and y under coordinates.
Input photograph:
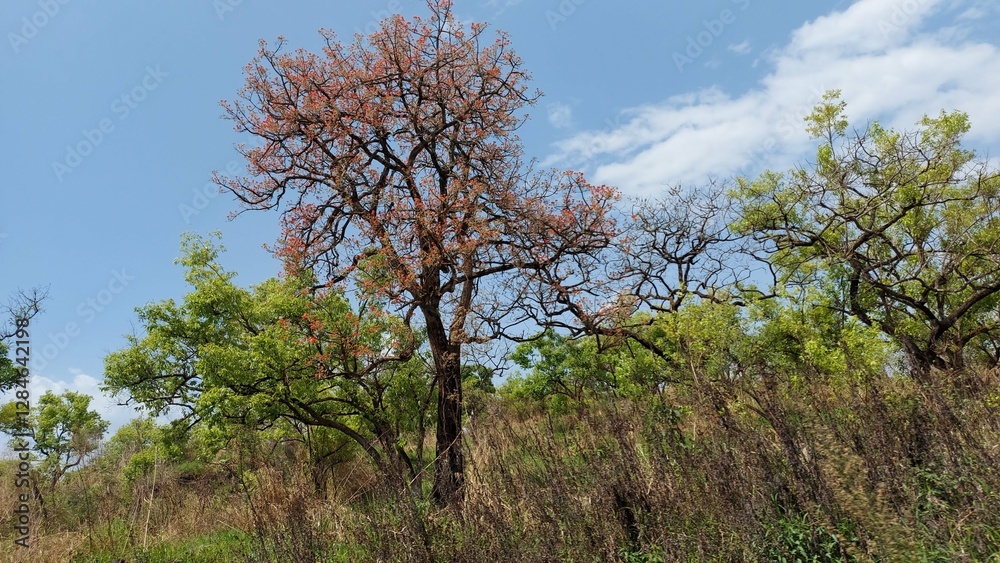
{"type": "Point", "coordinates": [8, 369]}
{"type": "Point", "coordinates": [65, 431]}
{"type": "Point", "coordinates": [23, 305]}
{"type": "Point", "coordinates": [557, 366]}
{"type": "Point", "coordinates": [903, 227]}
{"type": "Point", "coordinates": [11, 422]}
{"type": "Point", "coordinates": [680, 248]}
{"type": "Point", "coordinates": [673, 251]}
{"type": "Point", "coordinates": [396, 163]}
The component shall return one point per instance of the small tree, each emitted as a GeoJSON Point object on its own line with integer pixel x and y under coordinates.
{"type": "Point", "coordinates": [65, 431]}
{"type": "Point", "coordinates": [23, 306]}
{"type": "Point", "coordinates": [905, 227]}
{"type": "Point", "coordinates": [397, 165]}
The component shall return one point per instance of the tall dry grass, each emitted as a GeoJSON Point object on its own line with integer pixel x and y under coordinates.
{"type": "Point", "coordinates": [866, 470]}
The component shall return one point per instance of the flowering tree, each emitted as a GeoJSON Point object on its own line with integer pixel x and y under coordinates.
{"type": "Point", "coordinates": [396, 166]}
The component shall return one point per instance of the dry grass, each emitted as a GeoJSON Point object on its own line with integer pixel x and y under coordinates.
{"type": "Point", "coordinates": [872, 470]}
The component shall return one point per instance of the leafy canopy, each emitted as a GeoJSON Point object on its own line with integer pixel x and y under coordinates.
{"type": "Point", "coordinates": [276, 352]}
{"type": "Point", "coordinates": [903, 227]}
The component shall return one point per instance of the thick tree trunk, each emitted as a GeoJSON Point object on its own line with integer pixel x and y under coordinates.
{"type": "Point", "coordinates": [449, 465]}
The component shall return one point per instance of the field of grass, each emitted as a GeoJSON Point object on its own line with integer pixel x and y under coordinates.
{"type": "Point", "coordinates": [867, 471]}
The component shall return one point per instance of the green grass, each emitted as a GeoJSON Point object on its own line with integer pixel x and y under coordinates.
{"type": "Point", "coordinates": [226, 546]}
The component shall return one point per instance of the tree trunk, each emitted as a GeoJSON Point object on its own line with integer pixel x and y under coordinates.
{"type": "Point", "coordinates": [39, 497]}
{"type": "Point", "coordinates": [449, 465]}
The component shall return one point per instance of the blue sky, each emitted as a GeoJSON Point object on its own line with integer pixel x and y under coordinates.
{"type": "Point", "coordinates": [111, 119]}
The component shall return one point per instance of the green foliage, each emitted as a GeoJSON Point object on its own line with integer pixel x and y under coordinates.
{"type": "Point", "coordinates": [283, 356]}
{"type": "Point", "coordinates": [800, 335]}
{"type": "Point", "coordinates": [138, 446]}
{"type": "Point", "coordinates": [803, 337]}
{"type": "Point", "coordinates": [478, 377]}
{"type": "Point", "coordinates": [65, 430]}
{"type": "Point", "coordinates": [798, 540]}
{"type": "Point", "coordinates": [703, 339]}
{"type": "Point", "coordinates": [827, 119]}
{"type": "Point", "coordinates": [8, 369]}
{"type": "Point", "coordinates": [11, 422]}
{"type": "Point", "coordinates": [900, 229]}
{"type": "Point", "coordinates": [557, 365]}
{"type": "Point", "coordinates": [640, 556]}
{"type": "Point", "coordinates": [557, 368]}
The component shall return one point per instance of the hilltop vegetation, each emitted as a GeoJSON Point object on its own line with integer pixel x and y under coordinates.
{"type": "Point", "coordinates": [796, 367]}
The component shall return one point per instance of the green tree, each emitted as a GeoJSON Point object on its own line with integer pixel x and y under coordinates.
{"type": "Point", "coordinates": [136, 447]}
{"type": "Point", "coordinates": [278, 355]}
{"type": "Point", "coordinates": [479, 377]}
{"type": "Point", "coordinates": [65, 431]}
{"type": "Point", "coordinates": [13, 423]}
{"type": "Point", "coordinates": [555, 365]}
{"type": "Point", "coordinates": [8, 370]}
{"type": "Point", "coordinates": [903, 228]}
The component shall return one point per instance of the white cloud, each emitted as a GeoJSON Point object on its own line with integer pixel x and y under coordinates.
{"type": "Point", "coordinates": [560, 115]}
{"type": "Point", "coordinates": [867, 26]}
{"type": "Point", "coordinates": [980, 9]}
{"type": "Point", "coordinates": [104, 405]}
{"type": "Point", "coordinates": [742, 48]}
{"type": "Point", "coordinates": [501, 6]}
{"type": "Point", "coordinates": [894, 60]}
{"type": "Point", "coordinates": [80, 382]}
